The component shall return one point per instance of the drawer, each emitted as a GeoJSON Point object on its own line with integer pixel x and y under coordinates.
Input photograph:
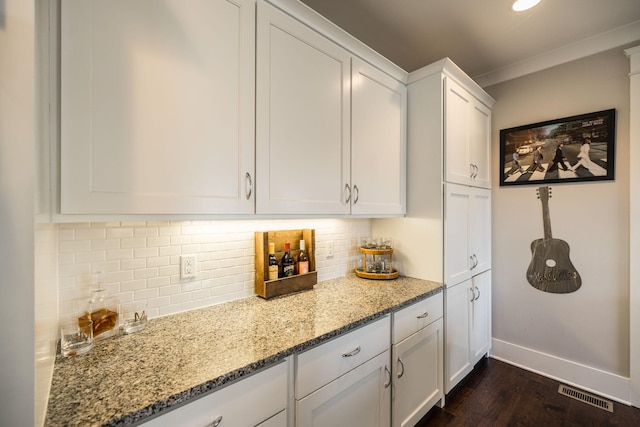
{"type": "Point", "coordinates": [411, 319]}
{"type": "Point", "coordinates": [264, 393]}
{"type": "Point", "coordinates": [328, 361]}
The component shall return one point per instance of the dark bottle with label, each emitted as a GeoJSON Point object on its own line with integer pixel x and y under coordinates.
{"type": "Point", "coordinates": [273, 262]}
{"type": "Point", "coordinates": [288, 264]}
{"type": "Point", "coordinates": [303, 260]}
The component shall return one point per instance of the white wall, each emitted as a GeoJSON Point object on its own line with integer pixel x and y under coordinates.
{"type": "Point", "coordinates": [17, 152]}
{"type": "Point", "coordinates": [634, 223]}
{"type": "Point", "coordinates": [581, 337]}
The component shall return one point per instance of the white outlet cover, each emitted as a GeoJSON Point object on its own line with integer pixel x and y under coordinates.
{"type": "Point", "coordinates": [329, 249]}
{"type": "Point", "coordinates": [187, 266]}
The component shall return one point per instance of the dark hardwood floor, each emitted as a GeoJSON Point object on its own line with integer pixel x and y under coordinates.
{"type": "Point", "coordinates": [499, 394]}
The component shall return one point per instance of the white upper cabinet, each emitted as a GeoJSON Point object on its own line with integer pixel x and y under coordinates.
{"type": "Point", "coordinates": [378, 141]}
{"type": "Point", "coordinates": [303, 118]}
{"type": "Point", "coordinates": [467, 137]}
{"type": "Point", "coordinates": [330, 128]}
{"type": "Point", "coordinates": [225, 107]}
{"type": "Point", "coordinates": [480, 144]}
{"type": "Point", "coordinates": [157, 107]}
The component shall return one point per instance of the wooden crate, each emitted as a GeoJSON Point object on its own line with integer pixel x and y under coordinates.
{"type": "Point", "coordinates": [272, 288]}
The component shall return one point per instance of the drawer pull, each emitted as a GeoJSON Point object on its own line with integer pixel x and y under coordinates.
{"type": "Point", "coordinates": [423, 315]}
{"type": "Point", "coordinates": [352, 352]}
{"type": "Point", "coordinates": [215, 423]}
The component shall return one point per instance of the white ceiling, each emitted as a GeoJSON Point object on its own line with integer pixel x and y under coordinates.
{"type": "Point", "coordinates": [484, 36]}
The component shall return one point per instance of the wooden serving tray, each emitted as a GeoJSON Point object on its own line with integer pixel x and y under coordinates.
{"type": "Point", "coordinates": [377, 276]}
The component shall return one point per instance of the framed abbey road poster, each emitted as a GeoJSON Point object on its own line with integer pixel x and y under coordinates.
{"type": "Point", "coordinates": [577, 148]}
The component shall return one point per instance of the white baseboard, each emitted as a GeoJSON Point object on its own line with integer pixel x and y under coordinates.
{"type": "Point", "coordinates": [605, 384]}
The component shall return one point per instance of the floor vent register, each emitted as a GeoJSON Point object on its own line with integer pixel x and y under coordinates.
{"type": "Point", "coordinates": [586, 397]}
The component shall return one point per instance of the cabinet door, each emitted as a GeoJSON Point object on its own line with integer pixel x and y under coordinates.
{"type": "Point", "coordinates": [467, 237]}
{"type": "Point", "coordinates": [480, 229]}
{"type": "Point", "coordinates": [457, 261]}
{"type": "Point", "coordinates": [467, 137]}
{"type": "Point", "coordinates": [378, 141]}
{"type": "Point", "coordinates": [457, 347]}
{"type": "Point", "coordinates": [480, 144]}
{"type": "Point", "coordinates": [417, 375]}
{"type": "Point", "coordinates": [359, 398]}
{"type": "Point", "coordinates": [302, 118]}
{"type": "Point", "coordinates": [457, 117]}
{"type": "Point", "coordinates": [481, 317]}
{"type": "Point", "coordinates": [157, 106]}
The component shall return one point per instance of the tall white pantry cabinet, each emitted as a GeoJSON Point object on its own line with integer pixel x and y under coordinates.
{"type": "Point", "coordinates": [446, 234]}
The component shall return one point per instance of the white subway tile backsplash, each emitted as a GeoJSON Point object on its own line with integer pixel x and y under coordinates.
{"type": "Point", "coordinates": [100, 244]}
{"type": "Point", "coordinates": [133, 285]}
{"type": "Point", "coordinates": [91, 233]}
{"type": "Point", "coordinates": [133, 264]}
{"type": "Point", "coordinates": [145, 252]}
{"type": "Point", "coordinates": [119, 232]}
{"type": "Point", "coordinates": [145, 231]}
{"type": "Point", "coordinates": [142, 259]}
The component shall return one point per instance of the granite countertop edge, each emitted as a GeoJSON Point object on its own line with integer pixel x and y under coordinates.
{"type": "Point", "coordinates": [194, 392]}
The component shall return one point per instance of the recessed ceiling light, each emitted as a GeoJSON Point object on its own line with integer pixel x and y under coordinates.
{"type": "Point", "coordinates": [521, 5]}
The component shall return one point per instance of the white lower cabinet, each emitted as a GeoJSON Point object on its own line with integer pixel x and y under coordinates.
{"type": "Point", "coordinates": [361, 397]}
{"type": "Point", "coordinates": [468, 326]}
{"type": "Point", "coordinates": [417, 361]}
{"type": "Point", "coordinates": [260, 399]}
{"type": "Point", "coordinates": [346, 381]}
{"type": "Point", "coordinates": [458, 339]}
{"type": "Point", "coordinates": [481, 316]}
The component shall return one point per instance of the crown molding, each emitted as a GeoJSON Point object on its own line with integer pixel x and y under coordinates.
{"type": "Point", "coordinates": [592, 45]}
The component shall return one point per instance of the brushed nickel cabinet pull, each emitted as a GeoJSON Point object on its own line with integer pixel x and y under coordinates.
{"type": "Point", "coordinates": [401, 373]}
{"type": "Point", "coordinates": [388, 383]}
{"type": "Point", "coordinates": [352, 352]}
{"type": "Point", "coordinates": [215, 423]}
{"type": "Point", "coordinates": [249, 187]}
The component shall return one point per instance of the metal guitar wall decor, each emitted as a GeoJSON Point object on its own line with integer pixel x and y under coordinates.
{"type": "Point", "coordinates": [551, 269]}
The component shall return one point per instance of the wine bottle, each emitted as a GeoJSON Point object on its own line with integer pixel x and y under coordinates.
{"type": "Point", "coordinates": [303, 260]}
{"type": "Point", "coordinates": [273, 262]}
{"type": "Point", "coordinates": [288, 264]}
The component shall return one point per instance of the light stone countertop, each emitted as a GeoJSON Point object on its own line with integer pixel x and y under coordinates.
{"type": "Point", "coordinates": [128, 378]}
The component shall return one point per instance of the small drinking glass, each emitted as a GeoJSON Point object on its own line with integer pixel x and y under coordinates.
{"type": "Point", "coordinates": [76, 337]}
{"type": "Point", "coordinates": [135, 317]}
{"type": "Point", "coordinates": [364, 242]}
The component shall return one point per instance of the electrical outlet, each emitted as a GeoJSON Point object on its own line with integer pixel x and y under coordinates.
{"type": "Point", "coordinates": [330, 249]}
{"type": "Point", "coordinates": [187, 266]}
